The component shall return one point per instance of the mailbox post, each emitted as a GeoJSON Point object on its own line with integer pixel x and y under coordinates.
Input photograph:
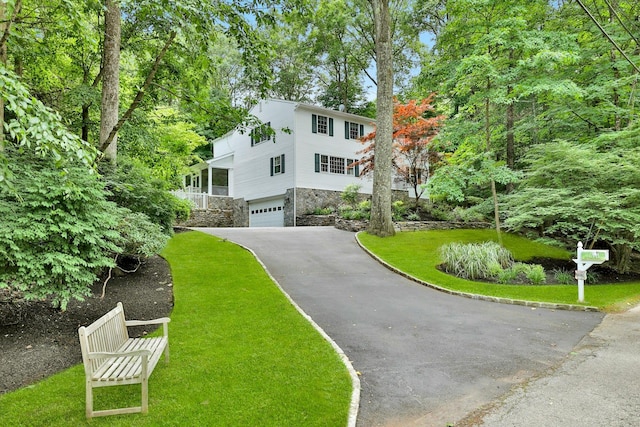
{"type": "Point", "coordinates": [587, 258]}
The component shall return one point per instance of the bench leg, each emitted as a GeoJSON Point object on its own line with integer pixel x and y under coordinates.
{"type": "Point", "coordinates": [145, 395]}
{"type": "Point", "coordinates": [89, 399]}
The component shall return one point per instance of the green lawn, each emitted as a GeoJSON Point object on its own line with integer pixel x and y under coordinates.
{"type": "Point", "coordinates": [241, 355]}
{"type": "Point", "coordinates": [417, 253]}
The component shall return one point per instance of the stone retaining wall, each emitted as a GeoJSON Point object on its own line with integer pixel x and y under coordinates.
{"type": "Point", "coordinates": [359, 225]}
{"type": "Point", "coordinates": [219, 214]}
{"type": "Point", "coordinates": [315, 220]}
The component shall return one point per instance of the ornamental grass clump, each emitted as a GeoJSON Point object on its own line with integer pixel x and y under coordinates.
{"type": "Point", "coordinates": [475, 260]}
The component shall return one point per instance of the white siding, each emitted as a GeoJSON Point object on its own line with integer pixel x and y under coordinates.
{"type": "Point", "coordinates": [252, 172]}
{"type": "Point", "coordinates": [309, 143]}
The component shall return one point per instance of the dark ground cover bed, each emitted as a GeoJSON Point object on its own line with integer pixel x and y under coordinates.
{"type": "Point", "coordinates": [37, 340]}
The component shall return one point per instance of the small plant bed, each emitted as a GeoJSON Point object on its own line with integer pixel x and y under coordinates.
{"type": "Point", "coordinates": [419, 255]}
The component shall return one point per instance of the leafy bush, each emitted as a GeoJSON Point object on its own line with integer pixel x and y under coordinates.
{"type": "Point", "coordinates": [350, 194]}
{"type": "Point", "coordinates": [322, 211]}
{"type": "Point", "coordinates": [57, 231]}
{"type": "Point", "coordinates": [413, 217]}
{"type": "Point", "coordinates": [535, 274]}
{"type": "Point", "coordinates": [475, 260]}
{"type": "Point", "coordinates": [563, 277]}
{"type": "Point", "coordinates": [508, 275]}
{"type": "Point", "coordinates": [131, 186]}
{"type": "Point", "coordinates": [398, 210]}
{"type": "Point", "coordinates": [141, 237]}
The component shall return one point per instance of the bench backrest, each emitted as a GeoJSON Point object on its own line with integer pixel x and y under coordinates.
{"type": "Point", "coordinates": [104, 335]}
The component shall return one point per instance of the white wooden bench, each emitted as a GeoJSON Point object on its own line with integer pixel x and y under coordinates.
{"type": "Point", "coordinates": [111, 358]}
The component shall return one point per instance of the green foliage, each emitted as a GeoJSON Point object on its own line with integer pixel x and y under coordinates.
{"type": "Point", "coordinates": [474, 261]}
{"type": "Point", "coordinates": [57, 231]}
{"type": "Point", "coordinates": [141, 237]}
{"type": "Point", "coordinates": [350, 194]}
{"type": "Point", "coordinates": [580, 193]}
{"type": "Point", "coordinates": [38, 129]}
{"type": "Point", "coordinates": [398, 210]}
{"type": "Point", "coordinates": [413, 217]}
{"type": "Point", "coordinates": [536, 274]}
{"type": "Point", "coordinates": [563, 277]}
{"type": "Point", "coordinates": [132, 186]}
{"type": "Point", "coordinates": [323, 211]}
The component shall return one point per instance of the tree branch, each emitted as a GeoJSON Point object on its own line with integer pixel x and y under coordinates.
{"type": "Point", "coordinates": [140, 94]}
{"type": "Point", "coordinates": [5, 34]}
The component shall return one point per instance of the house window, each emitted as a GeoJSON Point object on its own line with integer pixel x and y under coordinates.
{"type": "Point", "coordinates": [353, 130]}
{"type": "Point", "coordinates": [277, 165]}
{"type": "Point", "coordinates": [324, 163]}
{"type": "Point", "coordinates": [321, 124]}
{"type": "Point", "coordinates": [261, 133]}
{"type": "Point", "coordinates": [351, 168]}
{"type": "Point", "coordinates": [337, 165]}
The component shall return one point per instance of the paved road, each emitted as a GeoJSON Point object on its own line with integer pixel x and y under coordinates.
{"type": "Point", "coordinates": [426, 358]}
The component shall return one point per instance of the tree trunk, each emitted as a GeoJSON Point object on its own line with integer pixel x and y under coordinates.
{"type": "Point", "coordinates": [110, 79]}
{"type": "Point", "coordinates": [381, 223]}
{"type": "Point", "coordinates": [511, 150]}
{"type": "Point", "coordinates": [138, 98]}
{"type": "Point", "coordinates": [494, 193]}
{"type": "Point", "coordinates": [621, 257]}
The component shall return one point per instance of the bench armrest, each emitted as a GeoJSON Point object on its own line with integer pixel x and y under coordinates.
{"type": "Point", "coordinates": [147, 322]}
{"type": "Point", "coordinates": [161, 321]}
{"type": "Point", "coordinates": [132, 353]}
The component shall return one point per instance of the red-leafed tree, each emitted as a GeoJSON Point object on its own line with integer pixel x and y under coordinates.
{"type": "Point", "coordinates": [415, 124]}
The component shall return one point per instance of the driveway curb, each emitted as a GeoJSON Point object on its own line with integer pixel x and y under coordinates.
{"type": "Point", "coordinates": [355, 381]}
{"type": "Point", "coordinates": [537, 304]}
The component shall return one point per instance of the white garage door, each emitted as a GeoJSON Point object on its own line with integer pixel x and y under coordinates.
{"type": "Point", "coordinates": [269, 213]}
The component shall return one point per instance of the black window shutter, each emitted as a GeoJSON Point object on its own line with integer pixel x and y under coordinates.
{"type": "Point", "coordinates": [268, 131]}
{"type": "Point", "coordinates": [271, 166]}
{"type": "Point", "coordinates": [317, 162]}
{"type": "Point", "coordinates": [330, 126]}
{"type": "Point", "coordinates": [253, 140]}
{"type": "Point", "coordinates": [361, 130]}
{"type": "Point", "coordinates": [314, 123]}
{"type": "Point", "coordinates": [346, 130]}
{"type": "Point", "coordinates": [282, 164]}
{"type": "Point", "coordinates": [357, 170]}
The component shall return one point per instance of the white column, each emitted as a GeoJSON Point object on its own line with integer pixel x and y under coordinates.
{"type": "Point", "coordinates": [230, 182]}
{"type": "Point", "coordinates": [209, 179]}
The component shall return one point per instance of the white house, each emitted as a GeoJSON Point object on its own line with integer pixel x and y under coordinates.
{"type": "Point", "coordinates": [274, 178]}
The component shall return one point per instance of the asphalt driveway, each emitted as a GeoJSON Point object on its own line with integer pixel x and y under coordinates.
{"type": "Point", "coordinates": [426, 358]}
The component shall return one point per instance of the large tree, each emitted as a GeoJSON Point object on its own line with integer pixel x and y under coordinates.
{"type": "Point", "coordinates": [415, 125]}
{"type": "Point", "coordinates": [381, 223]}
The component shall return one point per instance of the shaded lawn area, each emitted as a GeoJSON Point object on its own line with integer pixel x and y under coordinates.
{"type": "Point", "coordinates": [418, 254]}
{"type": "Point", "coordinates": [241, 355]}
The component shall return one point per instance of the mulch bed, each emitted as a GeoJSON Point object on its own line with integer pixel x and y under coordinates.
{"type": "Point", "coordinates": [37, 340]}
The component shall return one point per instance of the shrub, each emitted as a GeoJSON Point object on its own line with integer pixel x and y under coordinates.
{"type": "Point", "coordinates": [563, 277]}
{"type": "Point", "coordinates": [398, 210]}
{"type": "Point", "coordinates": [57, 232]}
{"type": "Point", "coordinates": [508, 275]}
{"type": "Point", "coordinates": [475, 261]}
{"type": "Point", "coordinates": [535, 274]}
{"type": "Point", "coordinates": [322, 211]}
{"type": "Point", "coordinates": [350, 194]}
{"type": "Point", "coordinates": [132, 187]}
{"type": "Point", "coordinates": [413, 217]}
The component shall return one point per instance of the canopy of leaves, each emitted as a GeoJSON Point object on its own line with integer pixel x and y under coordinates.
{"type": "Point", "coordinates": [581, 193]}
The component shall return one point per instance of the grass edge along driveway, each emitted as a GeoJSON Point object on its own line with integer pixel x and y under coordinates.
{"type": "Point", "coordinates": [416, 253]}
{"type": "Point", "coordinates": [241, 355]}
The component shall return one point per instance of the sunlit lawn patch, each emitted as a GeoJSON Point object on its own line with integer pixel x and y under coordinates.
{"type": "Point", "coordinates": [417, 253]}
{"type": "Point", "coordinates": [241, 355]}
